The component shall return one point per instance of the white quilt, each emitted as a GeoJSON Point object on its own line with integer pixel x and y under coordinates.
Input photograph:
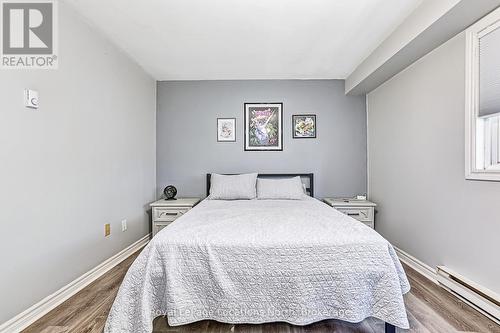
{"type": "Point", "coordinates": [255, 261]}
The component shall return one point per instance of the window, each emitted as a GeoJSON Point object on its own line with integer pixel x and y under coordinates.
{"type": "Point", "coordinates": [488, 143]}
{"type": "Point", "coordinates": [482, 159]}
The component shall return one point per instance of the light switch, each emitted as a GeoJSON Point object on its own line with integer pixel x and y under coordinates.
{"type": "Point", "coordinates": [31, 98]}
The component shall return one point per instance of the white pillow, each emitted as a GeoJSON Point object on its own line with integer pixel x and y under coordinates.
{"type": "Point", "coordinates": [235, 187]}
{"type": "Point", "coordinates": [287, 188]}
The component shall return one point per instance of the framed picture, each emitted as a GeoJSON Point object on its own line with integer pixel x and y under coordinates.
{"type": "Point", "coordinates": [263, 126]}
{"type": "Point", "coordinates": [226, 129]}
{"type": "Point", "coordinates": [304, 126]}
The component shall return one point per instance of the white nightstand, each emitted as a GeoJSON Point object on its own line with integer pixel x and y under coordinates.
{"type": "Point", "coordinates": [361, 210]}
{"type": "Point", "coordinates": [167, 211]}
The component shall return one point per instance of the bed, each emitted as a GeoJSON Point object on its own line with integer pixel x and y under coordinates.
{"type": "Point", "coordinates": [256, 261]}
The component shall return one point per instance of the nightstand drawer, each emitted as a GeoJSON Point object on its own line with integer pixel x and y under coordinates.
{"type": "Point", "coordinates": [158, 226]}
{"type": "Point", "coordinates": [369, 224]}
{"type": "Point", "coordinates": [167, 214]}
{"type": "Point", "coordinates": [360, 214]}
{"type": "Point", "coordinates": [361, 210]}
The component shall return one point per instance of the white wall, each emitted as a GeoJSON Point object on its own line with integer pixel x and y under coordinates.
{"type": "Point", "coordinates": [416, 169]}
{"type": "Point", "coordinates": [85, 158]}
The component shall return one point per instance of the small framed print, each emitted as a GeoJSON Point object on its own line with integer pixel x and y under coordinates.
{"type": "Point", "coordinates": [263, 126]}
{"type": "Point", "coordinates": [226, 129]}
{"type": "Point", "coordinates": [304, 126]}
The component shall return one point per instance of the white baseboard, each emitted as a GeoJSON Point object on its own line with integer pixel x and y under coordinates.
{"type": "Point", "coordinates": [417, 265]}
{"type": "Point", "coordinates": [474, 300]}
{"type": "Point", "coordinates": [35, 312]}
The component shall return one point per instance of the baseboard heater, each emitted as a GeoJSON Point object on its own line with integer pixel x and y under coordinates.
{"type": "Point", "coordinates": [484, 300]}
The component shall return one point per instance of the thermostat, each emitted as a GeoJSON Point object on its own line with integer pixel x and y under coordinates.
{"type": "Point", "coordinates": [31, 99]}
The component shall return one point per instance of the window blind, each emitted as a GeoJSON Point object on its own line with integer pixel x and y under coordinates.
{"type": "Point", "coordinates": [489, 74]}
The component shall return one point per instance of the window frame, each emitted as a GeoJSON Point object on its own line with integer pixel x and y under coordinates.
{"type": "Point", "coordinates": [473, 34]}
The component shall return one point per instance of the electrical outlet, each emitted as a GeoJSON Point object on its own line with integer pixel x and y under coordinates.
{"type": "Point", "coordinates": [107, 229]}
{"type": "Point", "coordinates": [124, 225]}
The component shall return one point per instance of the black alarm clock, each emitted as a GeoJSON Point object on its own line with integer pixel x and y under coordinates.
{"type": "Point", "coordinates": [170, 191]}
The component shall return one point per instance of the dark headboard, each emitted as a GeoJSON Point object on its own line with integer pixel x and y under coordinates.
{"type": "Point", "coordinates": [309, 176]}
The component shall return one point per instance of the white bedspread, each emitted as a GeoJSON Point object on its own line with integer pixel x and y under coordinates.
{"type": "Point", "coordinates": [262, 261]}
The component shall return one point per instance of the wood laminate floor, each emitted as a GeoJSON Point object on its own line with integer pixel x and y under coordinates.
{"type": "Point", "coordinates": [430, 309]}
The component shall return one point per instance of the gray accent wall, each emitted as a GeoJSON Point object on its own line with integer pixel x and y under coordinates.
{"type": "Point", "coordinates": [187, 146]}
{"type": "Point", "coordinates": [86, 157]}
{"type": "Point", "coordinates": [416, 169]}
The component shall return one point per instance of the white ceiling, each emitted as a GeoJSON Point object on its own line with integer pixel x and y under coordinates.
{"type": "Point", "coordinates": [246, 39]}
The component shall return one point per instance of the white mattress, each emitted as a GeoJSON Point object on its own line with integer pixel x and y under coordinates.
{"type": "Point", "coordinates": [254, 261]}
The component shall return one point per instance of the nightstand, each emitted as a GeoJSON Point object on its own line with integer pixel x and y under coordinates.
{"type": "Point", "coordinates": [167, 211]}
{"type": "Point", "coordinates": [361, 210]}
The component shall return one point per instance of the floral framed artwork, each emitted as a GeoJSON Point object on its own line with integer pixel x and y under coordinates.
{"type": "Point", "coordinates": [263, 126]}
{"type": "Point", "coordinates": [304, 126]}
{"type": "Point", "coordinates": [226, 129]}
